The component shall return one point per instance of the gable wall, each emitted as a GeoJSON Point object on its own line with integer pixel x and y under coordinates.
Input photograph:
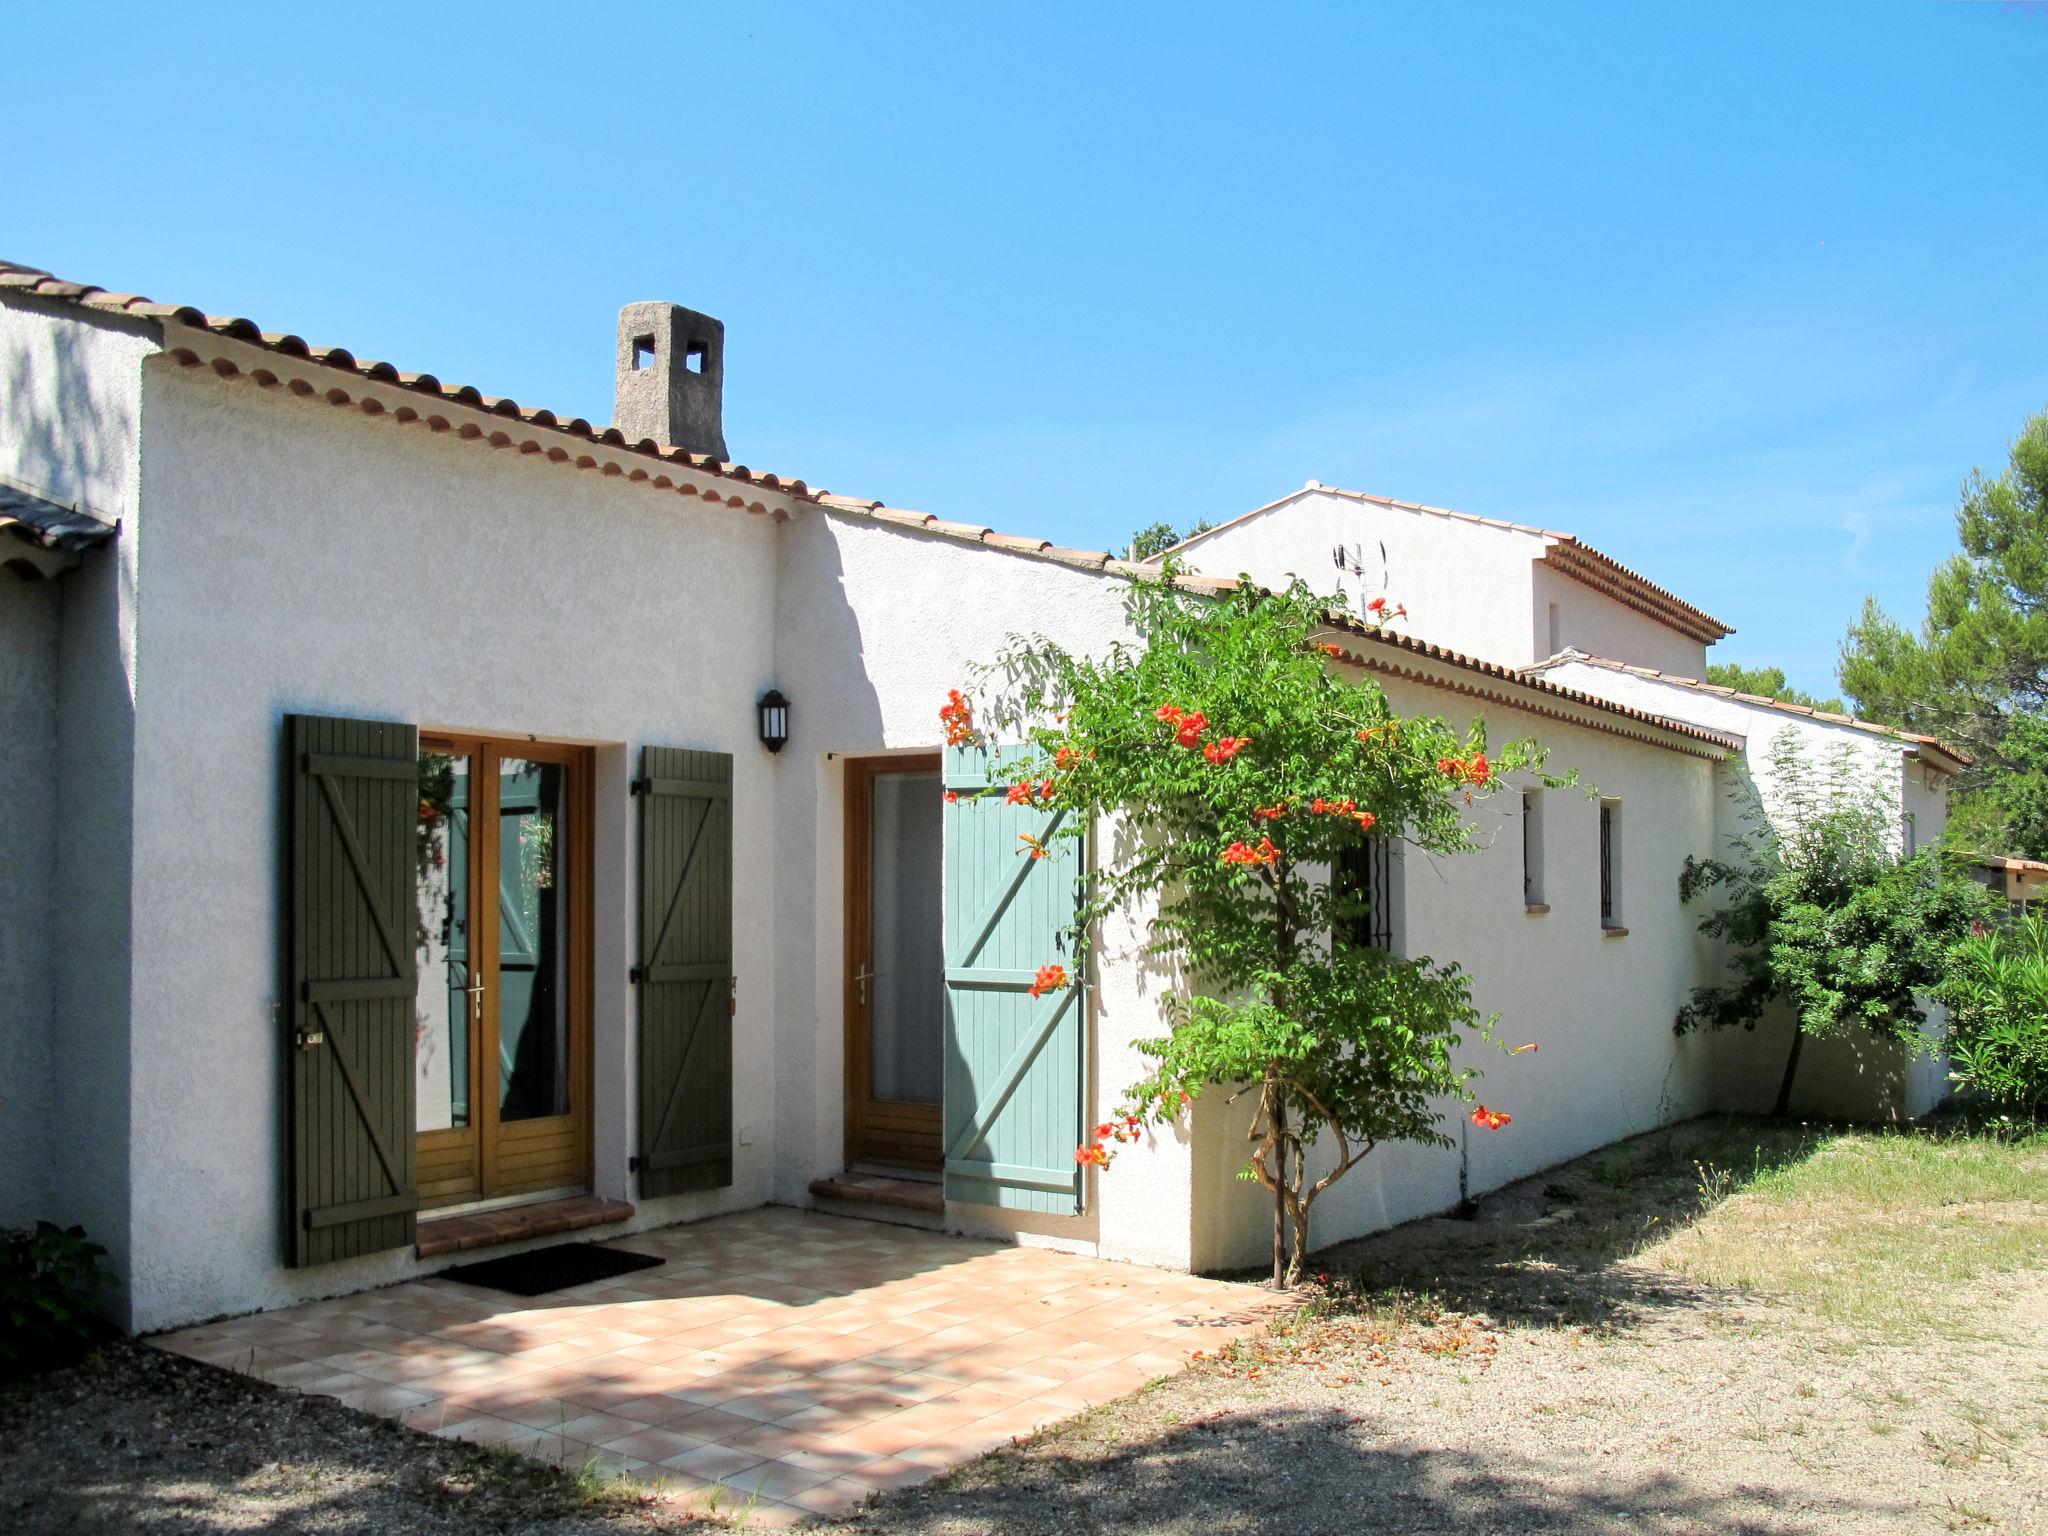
{"type": "Point", "coordinates": [1466, 586]}
{"type": "Point", "coordinates": [1472, 587]}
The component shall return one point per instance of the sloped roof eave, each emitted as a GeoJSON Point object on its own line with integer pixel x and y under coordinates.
{"type": "Point", "coordinates": [1505, 685]}
{"type": "Point", "coordinates": [37, 283]}
{"type": "Point", "coordinates": [1953, 760]}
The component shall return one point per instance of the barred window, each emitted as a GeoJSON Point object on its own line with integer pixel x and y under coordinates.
{"type": "Point", "coordinates": [1364, 873]}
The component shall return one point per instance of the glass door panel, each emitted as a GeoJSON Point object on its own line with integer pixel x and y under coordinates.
{"type": "Point", "coordinates": [895, 975]}
{"type": "Point", "coordinates": [533, 942]}
{"type": "Point", "coordinates": [906, 1057]}
{"type": "Point", "coordinates": [445, 1011]}
{"type": "Point", "coordinates": [502, 1022]}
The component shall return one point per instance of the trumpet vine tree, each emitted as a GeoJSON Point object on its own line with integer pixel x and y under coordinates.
{"type": "Point", "coordinates": [1245, 762]}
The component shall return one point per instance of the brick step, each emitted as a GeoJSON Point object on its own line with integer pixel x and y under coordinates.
{"type": "Point", "coordinates": [874, 1189]}
{"type": "Point", "coordinates": [515, 1223]}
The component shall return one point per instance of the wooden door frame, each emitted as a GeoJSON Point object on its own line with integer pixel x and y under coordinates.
{"type": "Point", "coordinates": [861, 773]}
{"type": "Point", "coordinates": [579, 813]}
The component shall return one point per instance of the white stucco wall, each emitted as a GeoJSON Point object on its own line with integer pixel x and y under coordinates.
{"type": "Point", "coordinates": [1594, 622]}
{"type": "Point", "coordinates": [1473, 587]}
{"type": "Point", "coordinates": [28, 874]}
{"type": "Point", "coordinates": [71, 430]}
{"type": "Point", "coordinates": [1465, 586]}
{"type": "Point", "coordinates": [1851, 1079]}
{"type": "Point", "coordinates": [1598, 1007]}
{"type": "Point", "coordinates": [875, 624]}
{"type": "Point", "coordinates": [299, 557]}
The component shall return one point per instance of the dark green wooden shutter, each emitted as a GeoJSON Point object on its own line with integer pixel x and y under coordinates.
{"type": "Point", "coordinates": [1016, 1066]}
{"type": "Point", "coordinates": [685, 971]}
{"type": "Point", "coordinates": [350, 985]}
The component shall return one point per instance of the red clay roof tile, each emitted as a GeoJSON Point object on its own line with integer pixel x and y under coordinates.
{"type": "Point", "coordinates": [33, 280]}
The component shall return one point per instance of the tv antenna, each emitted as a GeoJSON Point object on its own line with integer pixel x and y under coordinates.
{"type": "Point", "coordinates": [1351, 561]}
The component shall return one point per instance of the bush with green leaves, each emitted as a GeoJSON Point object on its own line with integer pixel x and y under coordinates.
{"type": "Point", "coordinates": [50, 1283]}
{"type": "Point", "coordinates": [1244, 765]}
{"type": "Point", "coordinates": [1996, 994]}
{"type": "Point", "coordinates": [1822, 914]}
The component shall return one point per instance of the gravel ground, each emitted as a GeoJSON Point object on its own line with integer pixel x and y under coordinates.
{"type": "Point", "coordinates": [134, 1439]}
{"type": "Point", "coordinates": [1533, 1370]}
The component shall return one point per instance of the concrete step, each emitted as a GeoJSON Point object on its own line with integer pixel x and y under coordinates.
{"type": "Point", "coordinates": [876, 1197]}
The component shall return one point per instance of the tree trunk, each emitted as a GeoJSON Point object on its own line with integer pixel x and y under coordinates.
{"type": "Point", "coordinates": [1279, 1189]}
{"type": "Point", "coordinates": [1784, 1104]}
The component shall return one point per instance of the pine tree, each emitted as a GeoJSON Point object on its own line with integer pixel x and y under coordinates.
{"type": "Point", "coordinates": [1977, 673]}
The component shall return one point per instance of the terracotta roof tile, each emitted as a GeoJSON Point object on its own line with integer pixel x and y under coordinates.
{"type": "Point", "coordinates": [40, 538]}
{"type": "Point", "coordinates": [1015, 542]}
{"type": "Point", "coordinates": [33, 280]}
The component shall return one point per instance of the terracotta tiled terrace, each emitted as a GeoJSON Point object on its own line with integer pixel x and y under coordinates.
{"type": "Point", "coordinates": [802, 1360]}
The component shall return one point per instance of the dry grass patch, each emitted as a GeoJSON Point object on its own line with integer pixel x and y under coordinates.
{"type": "Point", "coordinates": [1874, 1230]}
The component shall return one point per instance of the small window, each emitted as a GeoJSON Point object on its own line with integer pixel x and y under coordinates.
{"type": "Point", "coordinates": [693, 356]}
{"type": "Point", "coordinates": [1364, 878]}
{"type": "Point", "coordinates": [1610, 867]}
{"type": "Point", "coordinates": [1912, 834]}
{"type": "Point", "coordinates": [643, 352]}
{"type": "Point", "coordinates": [1556, 631]}
{"type": "Point", "coordinates": [1532, 849]}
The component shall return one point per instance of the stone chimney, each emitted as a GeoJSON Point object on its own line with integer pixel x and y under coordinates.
{"type": "Point", "coordinates": [671, 378]}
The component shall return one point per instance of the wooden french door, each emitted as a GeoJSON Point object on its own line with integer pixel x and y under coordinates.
{"type": "Point", "coordinates": [502, 1017]}
{"type": "Point", "coordinates": [895, 963]}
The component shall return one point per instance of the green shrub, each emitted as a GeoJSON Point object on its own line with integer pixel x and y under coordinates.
{"type": "Point", "coordinates": [1996, 993]}
{"type": "Point", "coordinates": [1823, 916]}
{"type": "Point", "coordinates": [50, 1280]}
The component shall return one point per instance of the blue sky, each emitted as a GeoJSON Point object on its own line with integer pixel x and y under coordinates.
{"type": "Point", "coordinates": [1739, 295]}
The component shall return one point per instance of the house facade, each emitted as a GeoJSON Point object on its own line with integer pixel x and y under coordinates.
{"type": "Point", "coordinates": [403, 861]}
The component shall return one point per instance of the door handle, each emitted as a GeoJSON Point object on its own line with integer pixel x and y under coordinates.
{"type": "Point", "coordinates": [476, 1000]}
{"type": "Point", "coordinates": [863, 976]}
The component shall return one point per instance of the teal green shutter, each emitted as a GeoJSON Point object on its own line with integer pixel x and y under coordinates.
{"type": "Point", "coordinates": [1016, 1066]}
{"type": "Point", "coordinates": [352, 920]}
{"type": "Point", "coordinates": [685, 972]}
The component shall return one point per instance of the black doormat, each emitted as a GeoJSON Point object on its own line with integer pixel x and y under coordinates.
{"type": "Point", "coordinates": [551, 1269]}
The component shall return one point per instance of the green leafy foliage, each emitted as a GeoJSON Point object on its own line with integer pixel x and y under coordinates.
{"type": "Point", "coordinates": [1996, 993]}
{"type": "Point", "coordinates": [1822, 914]}
{"type": "Point", "coordinates": [50, 1280]}
{"type": "Point", "coordinates": [1240, 763]}
{"type": "Point", "coordinates": [1150, 542]}
{"type": "Point", "coordinates": [1977, 672]}
{"type": "Point", "coordinates": [1769, 683]}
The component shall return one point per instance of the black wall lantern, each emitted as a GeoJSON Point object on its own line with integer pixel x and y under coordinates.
{"type": "Point", "coordinates": [774, 710]}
